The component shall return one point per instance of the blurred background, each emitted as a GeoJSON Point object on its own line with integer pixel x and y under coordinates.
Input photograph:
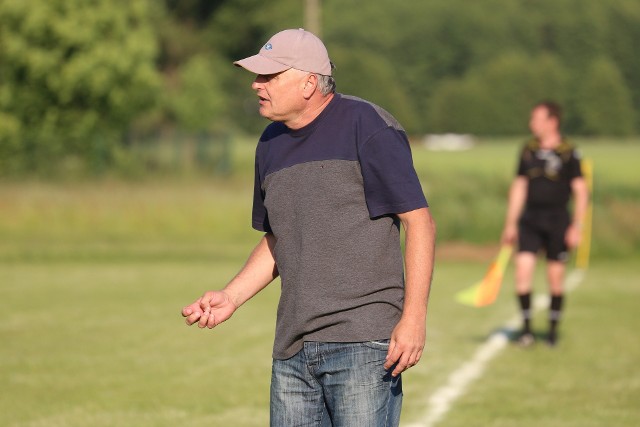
{"type": "Point", "coordinates": [126, 175]}
{"type": "Point", "coordinates": [141, 90]}
{"type": "Point", "coordinates": [89, 87]}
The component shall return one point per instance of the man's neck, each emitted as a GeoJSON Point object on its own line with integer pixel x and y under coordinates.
{"type": "Point", "coordinates": [310, 113]}
{"type": "Point", "coordinates": [550, 141]}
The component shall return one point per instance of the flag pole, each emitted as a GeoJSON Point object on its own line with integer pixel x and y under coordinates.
{"type": "Point", "coordinates": [584, 249]}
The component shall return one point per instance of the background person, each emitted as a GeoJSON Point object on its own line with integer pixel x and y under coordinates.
{"type": "Point", "coordinates": [334, 180]}
{"type": "Point", "coordinates": [537, 215]}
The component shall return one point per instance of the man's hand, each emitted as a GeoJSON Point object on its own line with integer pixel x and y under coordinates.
{"type": "Point", "coordinates": [211, 309]}
{"type": "Point", "coordinates": [573, 236]}
{"type": "Point", "coordinates": [509, 235]}
{"type": "Point", "coordinates": [405, 348]}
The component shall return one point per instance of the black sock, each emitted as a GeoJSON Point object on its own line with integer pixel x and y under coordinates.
{"type": "Point", "coordinates": [525, 308]}
{"type": "Point", "coordinates": [555, 312]}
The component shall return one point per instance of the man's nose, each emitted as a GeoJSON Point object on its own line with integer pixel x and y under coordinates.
{"type": "Point", "coordinates": [258, 82]}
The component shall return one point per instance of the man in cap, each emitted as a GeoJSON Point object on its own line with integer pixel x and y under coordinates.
{"type": "Point", "coordinates": [334, 180]}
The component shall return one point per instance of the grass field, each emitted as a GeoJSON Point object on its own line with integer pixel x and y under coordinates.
{"type": "Point", "coordinates": [93, 276]}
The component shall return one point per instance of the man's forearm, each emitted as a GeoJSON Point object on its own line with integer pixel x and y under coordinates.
{"type": "Point", "coordinates": [517, 197]}
{"type": "Point", "coordinates": [580, 199]}
{"type": "Point", "coordinates": [419, 260]}
{"type": "Point", "coordinates": [259, 270]}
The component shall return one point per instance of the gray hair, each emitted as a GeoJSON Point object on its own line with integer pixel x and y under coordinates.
{"type": "Point", "coordinates": [327, 84]}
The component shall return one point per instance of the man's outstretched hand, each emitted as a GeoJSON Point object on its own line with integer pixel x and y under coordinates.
{"type": "Point", "coordinates": [211, 309]}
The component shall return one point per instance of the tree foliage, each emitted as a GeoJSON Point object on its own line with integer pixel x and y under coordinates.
{"type": "Point", "coordinates": [72, 72]}
{"type": "Point", "coordinates": [443, 52]}
{"type": "Point", "coordinates": [495, 99]}
{"type": "Point", "coordinates": [603, 101]}
{"type": "Point", "coordinates": [76, 75]}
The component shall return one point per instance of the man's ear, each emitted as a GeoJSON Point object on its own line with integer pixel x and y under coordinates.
{"type": "Point", "coordinates": [310, 85]}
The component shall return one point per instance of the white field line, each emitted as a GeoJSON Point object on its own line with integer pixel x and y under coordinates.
{"type": "Point", "coordinates": [443, 398]}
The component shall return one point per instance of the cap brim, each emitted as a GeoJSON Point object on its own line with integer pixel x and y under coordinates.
{"type": "Point", "coordinates": [259, 64]}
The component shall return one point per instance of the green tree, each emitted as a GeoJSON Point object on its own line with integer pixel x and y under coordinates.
{"type": "Point", "coordinates": [428, 44]}
{"type": "Point", "coordinates": [73, 74]}
{"type": "Point", "coordinates": [624, 33]}
{"type": "Point", "coordinates": [407, 55]}
{"type": "Point", "coordinates": [459, 106]}
{"type": "Point", "coordinates": [363, 71]}
{"type": "Point", "coordinates": [496, 98]}
{"type": "Point", "coordinates": [574, 30]}
{"type": "Point", "coordinates": [198, 103]}
{"type": "Point", "coordinates": [603, 101]}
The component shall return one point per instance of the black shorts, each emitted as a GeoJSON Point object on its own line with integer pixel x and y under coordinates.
{"type": "Point", "coordinates": [544, 229]}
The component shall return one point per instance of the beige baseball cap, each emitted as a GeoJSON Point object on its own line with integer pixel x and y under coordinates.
{"type": "Point", "coordinates": [297, 49]}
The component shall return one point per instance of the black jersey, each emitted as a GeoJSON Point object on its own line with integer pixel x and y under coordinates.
{"type": "Point", "coordinates": [550, 173]}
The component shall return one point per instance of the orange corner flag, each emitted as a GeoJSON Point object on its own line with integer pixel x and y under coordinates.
{"type": "Point", "coordinates": [486, 291]}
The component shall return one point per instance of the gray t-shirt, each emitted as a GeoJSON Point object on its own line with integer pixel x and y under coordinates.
{"type": "Point", "coordinates": [329, 193]}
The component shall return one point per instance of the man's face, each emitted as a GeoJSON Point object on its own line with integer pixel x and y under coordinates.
{"type": "Point", "coordinates": [541, 123]}
{"type": "Point", "coordinates": [281, 95]}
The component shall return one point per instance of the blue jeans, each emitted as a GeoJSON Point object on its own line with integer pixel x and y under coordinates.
{"type": "Point", "coordinates": [336, 384]}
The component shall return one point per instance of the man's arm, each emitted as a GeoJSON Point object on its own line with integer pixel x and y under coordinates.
{"type": "Point", "coordinates": [580, 203]}
{"type": "Point", "coordinates": [409, 335]}
{"type": "Point", "coordinates": [517, 198]}
{"type": "Point", "coordinates": [214, 307]}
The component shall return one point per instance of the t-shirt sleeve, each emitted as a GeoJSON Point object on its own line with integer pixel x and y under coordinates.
{"type": "Point", "coordinates": [574, 165]}
{"type": "Point", "coordinates": [391, 184]}
{"type": "Point", "coordinates": [522, 166]}
{"type": "Point", "coordinates": [260, 219]}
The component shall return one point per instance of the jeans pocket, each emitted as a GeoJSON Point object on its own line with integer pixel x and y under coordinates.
{"type": "Point", "coordinates": [377, 344]}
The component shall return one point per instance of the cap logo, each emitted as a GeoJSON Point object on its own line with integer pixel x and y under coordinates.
{"type": "Point", "coordinates": [268, 46]}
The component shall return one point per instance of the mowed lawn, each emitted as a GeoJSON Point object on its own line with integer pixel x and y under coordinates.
{"type": "Point", "coordinates": [93, 277]}
{"type": "Point", "coordinates": [589, 380]}
{"type": "Point", "coordinates": [103, 344]}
